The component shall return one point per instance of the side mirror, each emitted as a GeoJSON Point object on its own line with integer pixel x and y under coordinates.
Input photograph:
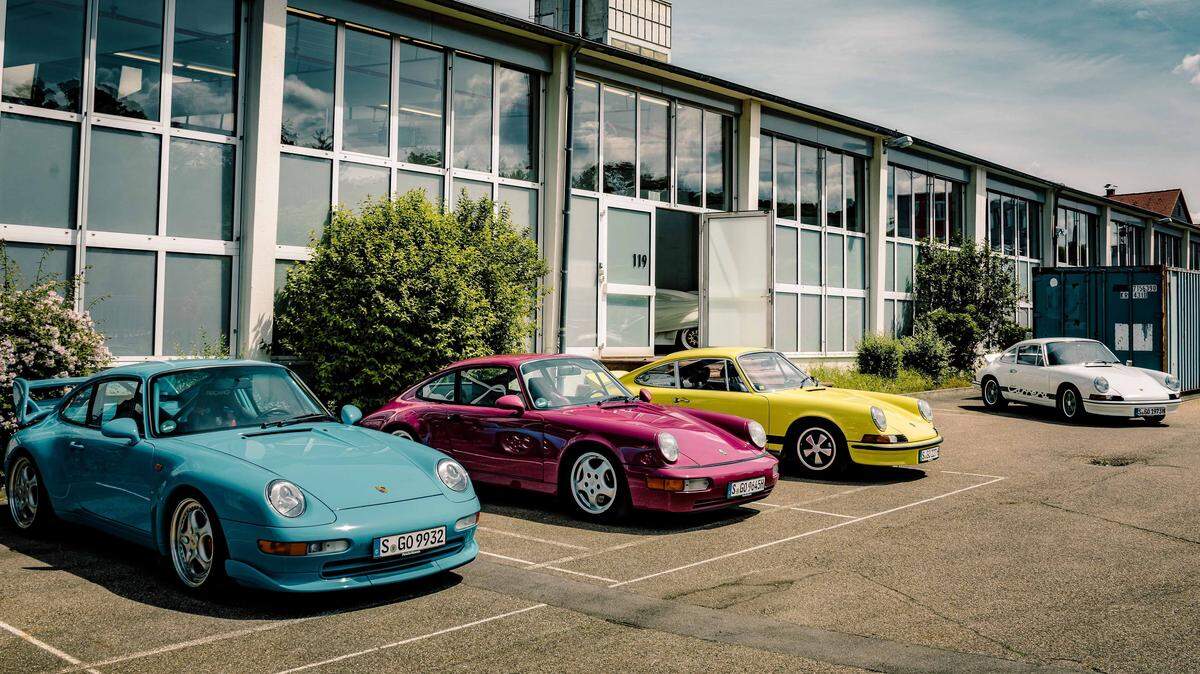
{"type": "Point", "coordinates": [512, 403]}
{"type": "Point", "coordinates": [350, 415]}
{"type": "Point", "coordinates": [644, 395]}
{"type": "Point", "coordinates": [122, 429]}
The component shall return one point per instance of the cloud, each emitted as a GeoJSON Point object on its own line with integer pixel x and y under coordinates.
{"type": "Point", "coordinates": [1190, 65]}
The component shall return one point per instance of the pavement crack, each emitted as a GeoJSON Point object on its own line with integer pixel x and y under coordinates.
{"type": "Point", "coordinates": [743, 590]}
{"type": "Point", "coordinates": [1156, 532]}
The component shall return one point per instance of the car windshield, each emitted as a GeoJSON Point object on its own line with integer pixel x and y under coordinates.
{"type": "Point", "coordinates": [563, 382]}
{"type": "Point", "coordinates": [220, 398]}
{"type": "Point", "coordinates": [771, 371]}
{"type": "Point", "coordinates": [1079, 353]}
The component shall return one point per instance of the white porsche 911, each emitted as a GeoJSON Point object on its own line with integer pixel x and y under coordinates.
{"type": "Point", "coordinates": [1078, 377]}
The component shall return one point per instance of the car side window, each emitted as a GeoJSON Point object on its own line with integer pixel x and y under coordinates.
{"type": "Point", "coordinates": [483, 386]}
{"type": "Point", "coordinates": [662, 376]}
{"type": "Point", "coordinates": [76, 409]}
{"type": "Point", "coordinates": [439, 389]}
{"type": "Point", "coordinates": [1030, 355]}
{"type": "Point", "coordinates": [117, 399]}
{"type": "Point", "coordinates": [708, 374]}
{"type": "Point", "coordinates": [1009, 356]}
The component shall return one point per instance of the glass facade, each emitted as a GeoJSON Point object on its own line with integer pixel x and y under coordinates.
{"type": "Point", "coordinates": [1128, 241]}
{"type": "Point", "coordinates": [1072, 237]}
{"type": "Point", "coordinates": [1168, 249]}
{"type": "Point", "coordinates": [1014, 226]}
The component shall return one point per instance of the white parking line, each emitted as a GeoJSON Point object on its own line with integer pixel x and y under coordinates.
{"type": "Point", "coordinates": [532, 538]}
{"type": "Point", "coordinates": [531, 565]}
{"type": "Point", "coordinates": [410, 640]}
{"type": "Point", "coordinates": [807, 510]}
{"type": "Point", "coordinates": [29, 638]}
{"type": "Point", "coordinates": [959, 472]}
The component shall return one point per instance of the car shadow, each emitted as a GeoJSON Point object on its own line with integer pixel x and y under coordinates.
{"type": "Point", "coordinates": [1049, 416]}
{"type": "Point", "coordinates": [856, 475]}
{"type": "Point", "coordinates": [138, 574]}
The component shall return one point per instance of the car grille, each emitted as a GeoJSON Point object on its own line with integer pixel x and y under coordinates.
{"type": "Point", "coordinates": [363, 566]}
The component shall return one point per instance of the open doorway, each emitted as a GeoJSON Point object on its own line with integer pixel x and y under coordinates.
{"type": "Point", "coordinates": [676, 281]}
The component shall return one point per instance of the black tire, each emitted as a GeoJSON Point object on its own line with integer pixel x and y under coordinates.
{"type": "Point", "coordinates": [993, 397]}
{"type": "Point", "coordinates": [816, 448]}
{"type": "Point", "coordinates": [600, 496]}
{"type": "Point", "coordinates": [29, 509]}
{"type": "Point", "coordinates": [1069, 404]}
{"type": "Point", "coordinates": [1155, 418]}
{"type": "Point", "coordinates": [186, 557]}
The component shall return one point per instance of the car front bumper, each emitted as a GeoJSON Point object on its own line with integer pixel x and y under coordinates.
{"type": "Point", "coordinates": [907, 454]}
{"type": "Point", "coordinates": [1126, 408]}
{"type": "Point", "coordinates": [713, 498]}
{"type": "Point", "coordinates": [356, 566]}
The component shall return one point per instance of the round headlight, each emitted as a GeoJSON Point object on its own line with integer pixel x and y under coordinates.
{"type": "Point", "coordinates": [1101, 384]}
{"type": "Point", "coordinates": [758, 434]}
{"type": "Point", "coordinates": [453, 475]}
{"type": "Point", "coordinates": [879, 418]}
{"type": "Point", "coordinates": [926, 410]}
{"type": "Point", "coordinates": [1171, 382]}
{"type": "Point", "coordinates": [668, 446]}
{"type": "Point", "coordinates": [286, 498]}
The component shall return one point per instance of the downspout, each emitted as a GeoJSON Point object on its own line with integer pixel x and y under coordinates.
{"type": "Point", "coordinates": [568, 160]}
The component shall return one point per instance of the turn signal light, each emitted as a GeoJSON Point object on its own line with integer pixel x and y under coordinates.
{"type": "Point", "coordinates": [285, 549]}
{"type": "Point", "coordinates": [885, 439]}
{"type": "Point", "coordinates": [466, 522]}
{"type": "Point", "coordinates": [1099, 396]}
{"type": "Point", "coordinates": [676, 484]}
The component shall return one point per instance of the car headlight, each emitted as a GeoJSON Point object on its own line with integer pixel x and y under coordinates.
{"type": "Point", "coordinates": [1171, 382]}
{"type": "Point", "coordinates": [758, 434]}
{"type": "Point", "coordinates": [1101, 384]}
{"type": "Point", "coordinates": [926, 410]}
{"type": "Point", "coordinates": [286, 498]}
{"type": "Point", "coordinates": [453, 475]}
{"type": "Point", "coordinates": [879, 418]}
{"type": "Point", "coordinates": [668, 446]}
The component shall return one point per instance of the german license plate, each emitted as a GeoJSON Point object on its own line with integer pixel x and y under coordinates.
{"type": "Point", "coordinates": [928, 454]}
{"type": "Point", "coordinates": [410, 543]}
{"type": "Point", "coordinates": [1149, 411]}
{"type": "Point", "coordinates": [746, 487]}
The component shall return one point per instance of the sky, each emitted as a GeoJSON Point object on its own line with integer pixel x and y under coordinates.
{"type": "Point", "coordinates": [1082, 92]}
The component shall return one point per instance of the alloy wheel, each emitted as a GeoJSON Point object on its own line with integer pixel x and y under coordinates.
{"type": "Point", "coordinates": [594, 483]}
{"type": "Point", "coordinates": [816, 449]}
{"type": "Point", "coordinates": [990, 390]}
{"type": "Point", "coordinates": [193, 546]}
{"type": "Point", "coordinates": [1070, 403]}
{"type": "Point", "coordinates": [23, 493]}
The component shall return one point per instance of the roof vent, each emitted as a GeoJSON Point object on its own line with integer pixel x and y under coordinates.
{"type": "Point", "coordinates": [1110, 189]}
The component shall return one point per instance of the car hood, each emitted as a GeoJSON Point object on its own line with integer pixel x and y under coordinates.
{"type": "Point", "coordinates": [840, 401]}
{"type": "Point", "coordinates": [700, 443]}
{"type": "Point", "coordinates": [1132, 382]}
{"type": "Point", "coordinates": [343, 467]}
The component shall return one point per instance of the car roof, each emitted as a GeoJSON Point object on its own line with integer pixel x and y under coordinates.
{"type": "Point", "coordinates": [715, 352]}
{"type": "Point", "coordinates": [152, 367]}
{"type": "Point", "coordinates": [509, 360]}
{"type": "Point", "coordinates": [1047, 340]}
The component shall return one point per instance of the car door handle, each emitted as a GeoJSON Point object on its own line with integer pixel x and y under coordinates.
{"type": "Point", "coordinates": [1012, 371]}
{"type": "Point", "coordinates": [75, 444]}
{"type": "Point", "coordinates": [682, 400]}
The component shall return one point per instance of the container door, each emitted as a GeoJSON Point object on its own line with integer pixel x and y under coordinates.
{"type": "Point", "coordinates": [1047, 304]}
{"type": "Point", "coordinates": [1135, 317]}
{"type": "Point", "coordinates": [737, 279]}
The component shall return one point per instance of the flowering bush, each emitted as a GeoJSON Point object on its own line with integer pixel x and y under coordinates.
{"type": "Point", "coordinates": [42, 336]}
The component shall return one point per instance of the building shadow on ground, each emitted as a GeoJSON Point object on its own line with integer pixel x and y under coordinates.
{"type": "Point", "coordinates": [1049, 416]}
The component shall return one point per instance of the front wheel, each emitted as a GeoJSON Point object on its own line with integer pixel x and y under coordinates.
{"type": "Point", "coordinates": [28, 504]}
{"type": "Point", "coordinates": [1070, 405]}
{"type": "Point", "coordinates": [197, 546]}
{"type": "Point", "coordinates": [993, 399]}
{"type": "Point", "coordinates": [597, 487]}
{"type": "Point", "coordinates": [819, 450]}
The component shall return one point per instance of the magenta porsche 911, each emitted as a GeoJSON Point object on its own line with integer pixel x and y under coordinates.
{"type": "Point", "coordinates": [564, 425]}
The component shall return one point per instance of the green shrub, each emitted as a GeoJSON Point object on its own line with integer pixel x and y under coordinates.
{"type": "Point", "coordinates": [927, 354]}
{"type": "Point", "coordinates": [1010, 333]}
{"type": "Point", "coordinates": [960, 333]}
{"type": "Point", "coordinates": [402, 288]}
{"type": "Point", "coordinates": [879, 355]}
{"type": "Point", "coordinates": [972, 280]}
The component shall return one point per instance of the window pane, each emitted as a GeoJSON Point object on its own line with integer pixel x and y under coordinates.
{"type": "Point", "coordinates": [518, 124]}
{"type": "Point", "coordinates": [810, 186]}
{"type": "Point", "coordinates": [304, 196]}
{"type": "Point", "coordinates": [785, 190]}
{"type": "Point", "coordinates": [810, 257]}
{"type": "Point", "coordinates": [523, 207]}
{"type": "Point", "coordinates": [619, 143]}
{"type": "Point", "coordinates": [430, 184]}
{"type": "Point", "coordinates": [360, 182]}
{"type": "Point", "coordinates": [834, 324]}
{"type": "Point", "coordinates": [38, 171]}
{"type": "Point", "coordinates": [955, 212]}
{"type": "Point", "coordinates": [904, 205]}
{"type": "Point", "coordinates": [810, 323]}
{"type": "Point", "coordinates": [366, 104]}
{"type": "Point", "coordinates": [628, 321]}
{"type": "Point", "coordinates": [422, 105]}
{"type": "Point", "coordinates": [43, 53]}
{"type": "Point", "coordinates": [628, 247]}
{"type": "Point", "coordinates": [1010, 225]}
{"type": "Point", "coordinates": [200, 190]}
{"type": "Point", "coordinates": [891, 200]}
{"type": "Point", "coordinates": [196, 302]}
{"type": "Point", "coordinates": [37, 262]}
{"type": "Point", "coordinates": [474, 189]}
{"type": "Point", "coordinates": [904, 268]}
{"type": "Point", "coordinates": [308, 83]}
{"type": "Point", "coordinates": [688, 157]}
{"type": "Point", "coordinates": [940, 230]}
{"type": "Point", "coordinates": [834, 261]}
{"type": "Point", "coordinates": [856, 321]}
{"type": "Point", "coordinates": [585, 156]}
{"type": "Point", "coordinates": [128, 54]}
{"type": "Point", "coordinates": [472, 114]}
{"type": "Point", "coordinates": [833, 189]}
{"type": "Point", "coordinates": [854, 179]}
{"type": "Point", "coordinates": [123, 195]}
{"type": "Point", "coordinates": [204, 77]}
{"type": "Point", "coordinates": [786, 268]}
{"type": "Point", "coordinates": [717, 132]}
{"type": "Point", "coordinates": [921, 206]}
{"type": "Point", "coordinates": [281, 270]}
{"type": "Point", "coordinates": [1035, 230]}
{"type": "Point", "coordinates": [889, 273]}
{"type": "Point", "coordinates": [889, 318]}
{"type": "Point", "coordinates": [581, 272]}
{"type": "Point", "coordinates": [654, 119]}
{"type": "Point", "coordinates": [120, 295]}
{"type": "Point", "coordinates": [904, 318]}
{"type": "Point", "coordinates": [766, 177]}
{"type": "Point", "coordinates": [995, 220]}
{"type": "Point", "coordinates": [786, 335]}
{"type": "Point", "coordinates": [856, 263]}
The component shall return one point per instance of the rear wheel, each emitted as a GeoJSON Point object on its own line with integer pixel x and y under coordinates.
{"type": "Point", "coordinates": [28, 504]}
{"type": "Point", "coordinates": [688, 338]}
{"type": "Point", "coordinates": [1070, 405]}
{"type": "Point", "coordinates": [197, 546]}
{"type": "Point", "coordinates": [596, 487]}
{"type": "Point", "coordinates": [818, 449]}
{"type": "Point", "coordinates": [993, 399]}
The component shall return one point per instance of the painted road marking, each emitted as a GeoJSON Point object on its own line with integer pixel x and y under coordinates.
{"type": "Point", "coordinates": [30, 639]}
{"type": "Point", "coordinates": [532, 538]}
{"type": "Point", "coordinates": [529, 565]}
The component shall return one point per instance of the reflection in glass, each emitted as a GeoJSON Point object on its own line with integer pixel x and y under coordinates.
{"type": "Point", "coordinates": [422, 105]}
{"type": "Point", "coordinates": [995, 220]}
{"type": "Point", "coordinates": [474, 190]}
{"type": "Point", "coordinates": [518, 110]}
{"type": "Point", "coordinates": [620, 150]}
{"type": "Point", "coordinates": [628, 247]}
{"type": "Point", "coordinates": [523, 207]}
{"type": "Point", "coordinates": [628, 321]}
{"type": "Point", "coordinates": [810, 186]}
{"type": "Point", "coordinates": [308, 83]}
{"type": "Point", "coordinates": [35, 262]}
{"type": "Point", "coordinates": [939, 210]}
{"type": "Point", "coordinates": [856, 262]}
{"type": "Point", "coordinates": [359, 182]}
{"type": "Point", "coordinates": [786, 264]}
{"type": "Point", "coordinates": [430, 184]}
{"type": "Point", "coordinates": [38, 173]}
{"type": "Point", "coordinates": [689, 158]}
{"type": "Point", "coordinates": [766, 176]}
{"type": "Point", "coordinates": [889, 274]}
{"type": "Point", "coordinates": [904, 185]}
{"type": "Point", "coordinates": [304, 196]}
{"type": "Point", "coordinates": [129, 58]}
{"type": "Point", "coordinates": [785, 189]}
{"type": "Point", "coordinates": [654, 120]}
{"type": "Point", "coordinates": [281, 272]}
{"type": "Point", "coordinates": [120, 295]}
{"type": "Point", "coordinates": [43, 53]}
{"type": "Point", "coordinates": [854, 214]}
{"type": "Point", "coordinates": [196, 302]}
{"type": "Point", "coordinates": [366, 97]}
{"type": "Point", "coordinates": [472, 114]}
{"type": "Point", "coordinates": [204, 75]}
{"type": "Point", "coordinates": [810, 257]}
{"type": "Point", "coordinates": [787, 307]}
{"type": "Point", "coordinates": [921, 206]}
{"type": "Point", "coordinates": [585, 157]}
{"type": "Point", "coordinates": [833, 189]}
{"type": "Point", "coordinates": [581, 273]}
{"type": "Point", "coordinates": [955, 195]}
{"type": "Point", "coordinates": [123, 194]}
{"type": "Point", "coordinates": [810, 323]}
{"type": "Point", "coordinates": [200, 193]}
{"type": "Point", "coordinates": [904, 268]}
{"type": "Point", "coordinates": [1010, 225]}
{"type": "Point", "coordinates": [891, 200]}
{"type": "Point", "coordinates": [717, 131]}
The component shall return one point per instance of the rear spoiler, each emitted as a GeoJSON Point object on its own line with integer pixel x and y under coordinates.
{"type": "Point", "coordinates": [29, 408]}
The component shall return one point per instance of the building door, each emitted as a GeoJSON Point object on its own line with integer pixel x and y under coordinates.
{"type": "Point", "coordinates": [737, 279]}
{"type": "Point", "coordinates": [626, 280]}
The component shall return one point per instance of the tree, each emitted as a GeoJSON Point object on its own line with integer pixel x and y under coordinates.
{"type": "Point", "coordinates": [402, 288]}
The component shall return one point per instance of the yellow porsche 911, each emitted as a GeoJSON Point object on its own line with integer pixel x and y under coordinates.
{"type": "Point", "coordinates": [815, 428]}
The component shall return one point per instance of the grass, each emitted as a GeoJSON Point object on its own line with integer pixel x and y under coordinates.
{"type": "Point", "coordinates": [908, 381]}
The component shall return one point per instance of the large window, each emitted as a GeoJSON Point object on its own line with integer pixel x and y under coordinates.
{"type": "Point", "coordinates": [1168, 249]}
{"type": "Point", "coordinates": [1128, 241]}
{"type": "Point", "coordinates": [122, 168]}
{"type": "Point", "coordinates": [1193, 255]}
{"type": "Point", "coordinates": [1072, 236]}
{"type": "Point", "coordinates": [1015, 231]}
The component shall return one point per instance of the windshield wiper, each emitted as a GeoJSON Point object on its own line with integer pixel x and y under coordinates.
{"type": "Point", "coordinates": [297, 420]}
{"type": "Point", "coordinates": [614, 399]}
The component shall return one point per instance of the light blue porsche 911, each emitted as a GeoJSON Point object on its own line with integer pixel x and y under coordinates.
{"type": "Point", "coordinates": [233, 469]}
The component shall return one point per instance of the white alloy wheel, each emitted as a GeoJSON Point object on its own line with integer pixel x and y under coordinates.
{"type": "Point", "coordinates": [193, 543]}
{"type": "Point", "coordinates": [594, 483]}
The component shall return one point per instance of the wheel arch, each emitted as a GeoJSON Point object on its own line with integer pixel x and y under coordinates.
{"type": "Point", "coordinates": [574, 449]}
